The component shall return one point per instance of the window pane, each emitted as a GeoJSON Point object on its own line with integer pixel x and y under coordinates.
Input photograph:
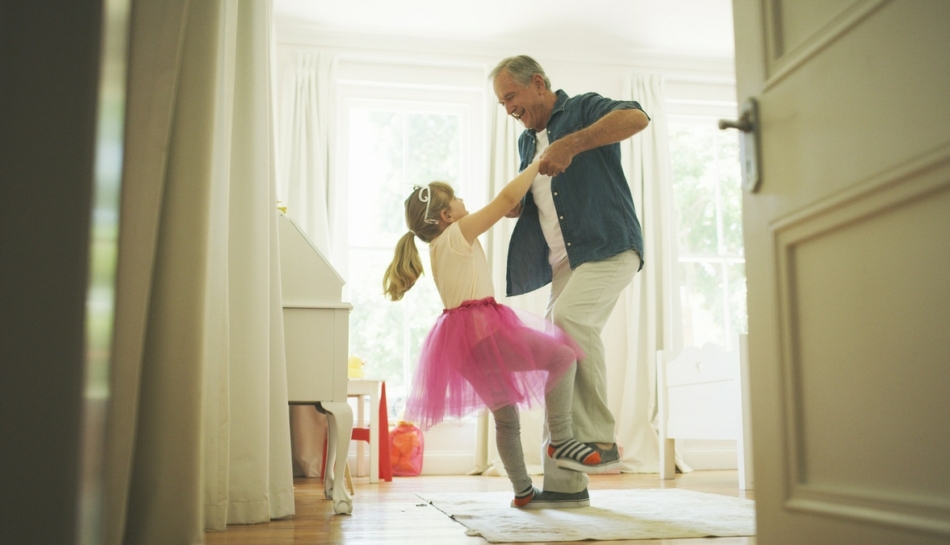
{"type": "Point", "coordinates": [737, 299]}
{"type": "Point", "coordinates": [433, 148]}
{"type": "Point", "coordinates": [372, 321]}
{"type": "Point", "coordinates": [731, 193]}
{"type": "Point", "coordinates": [702, 299]}
{"type": "Point", "coordinates": [694, 187]}
{"type": "Point", "coordinates": [708, 199]}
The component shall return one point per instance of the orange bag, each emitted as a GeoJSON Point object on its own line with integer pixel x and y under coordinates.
{"type": "Point", "coordinates": [406, 449]}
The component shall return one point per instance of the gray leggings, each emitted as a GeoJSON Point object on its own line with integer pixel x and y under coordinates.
{"type": "Point", "coordinates": [508, 428]}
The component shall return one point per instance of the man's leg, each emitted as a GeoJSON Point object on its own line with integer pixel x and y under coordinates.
{"type": "Point", "coordinates": [581, 302]}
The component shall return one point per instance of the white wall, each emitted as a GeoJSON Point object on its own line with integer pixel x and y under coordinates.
{"type": "Point", "coordinates": [693, 86]}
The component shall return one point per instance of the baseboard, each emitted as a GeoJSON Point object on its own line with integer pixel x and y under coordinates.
{"type": "Point", "coordinates": [708, 455]}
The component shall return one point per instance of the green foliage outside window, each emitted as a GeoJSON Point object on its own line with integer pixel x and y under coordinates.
{"type": "Point", "coordinates": [708, 199]}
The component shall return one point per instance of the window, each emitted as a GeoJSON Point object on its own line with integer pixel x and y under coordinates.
{"type": "Point", "coordinates": [708, 195]}
{"type": "Point", "coordinates": [391, 145]}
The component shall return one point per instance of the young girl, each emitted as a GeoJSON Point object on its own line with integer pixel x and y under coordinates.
{"type": "Point", "coordinates": [479, 353]}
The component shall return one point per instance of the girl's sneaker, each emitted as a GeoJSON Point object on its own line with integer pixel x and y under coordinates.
{"type": "Point", "coordinates": [523, 499]}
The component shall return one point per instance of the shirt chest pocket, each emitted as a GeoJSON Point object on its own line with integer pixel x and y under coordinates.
{"type": "Point", "coordinates": [564, 127]}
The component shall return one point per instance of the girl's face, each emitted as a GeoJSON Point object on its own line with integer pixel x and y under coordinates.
{"type": "Point", "coordinates": [455, 211]}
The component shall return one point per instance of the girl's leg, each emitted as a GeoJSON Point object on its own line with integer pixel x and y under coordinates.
{"type": "Point", "coordinates": [508, 439]}
{"type": "Point", "coordinates": [568, 453]}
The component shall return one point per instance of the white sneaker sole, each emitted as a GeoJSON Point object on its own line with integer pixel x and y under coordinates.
{"type": "Point", "coordinates": [593, 470]}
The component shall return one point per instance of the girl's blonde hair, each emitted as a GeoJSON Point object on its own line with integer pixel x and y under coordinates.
{"type": "Point", "coordinates": [423, 209]}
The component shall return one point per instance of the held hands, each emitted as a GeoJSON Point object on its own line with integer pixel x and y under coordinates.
{"type": "Point", "coordinates": [556, 157]}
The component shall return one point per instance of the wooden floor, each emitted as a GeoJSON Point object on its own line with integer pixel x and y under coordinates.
{"type": "Point", "coordinates": [392, 513]}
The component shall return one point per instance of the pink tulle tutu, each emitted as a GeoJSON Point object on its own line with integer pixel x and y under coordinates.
{"type": "Point", "coordinates": [483, 354]}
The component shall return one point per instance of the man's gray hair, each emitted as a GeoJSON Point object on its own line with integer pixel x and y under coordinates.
{"type": "Point", "coordinates": [522, 68]}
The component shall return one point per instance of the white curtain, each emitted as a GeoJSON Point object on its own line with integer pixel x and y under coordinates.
{"type": "Point", "coordinates": [650, 308]}
{"type": "Point", "coordinates": [304, 92]}
{"type": "Point", "coordinates": [247, 454]}
{"type": "Point", "coordinates": [198, 432]}
{"type": "Point", "coordinates": [647, 316]}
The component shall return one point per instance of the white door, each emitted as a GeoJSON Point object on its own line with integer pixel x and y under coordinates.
{"type": "Point", "coordinates": [848, 264]}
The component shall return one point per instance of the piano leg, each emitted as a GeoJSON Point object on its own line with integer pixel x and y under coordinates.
{"type": "Point", "coordinates": [340, 424]}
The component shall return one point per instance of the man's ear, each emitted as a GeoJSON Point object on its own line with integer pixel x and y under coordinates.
{"type": "Point", "coordinates": [538, 81]}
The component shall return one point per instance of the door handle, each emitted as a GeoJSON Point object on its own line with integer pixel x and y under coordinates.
{"type": "Point", "coordinates": [748, 124]}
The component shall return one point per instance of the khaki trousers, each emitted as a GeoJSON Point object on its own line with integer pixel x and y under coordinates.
{"type": "Point", "coordinates": [581, 301]}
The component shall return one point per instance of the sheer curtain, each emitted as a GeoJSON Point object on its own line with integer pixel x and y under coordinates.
{"type": "Point", "coordinates": [646, 317]}
{"type": "Point", "coordinates": [198, 433]}
{"type": "Point", "coordinates": [649, 309]}
{"type": "Point", "coordinates": [304, 93]}
{"type": "Point", "coordinates": [247, 452]}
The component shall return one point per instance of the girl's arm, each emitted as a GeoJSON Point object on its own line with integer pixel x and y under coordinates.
{"type": "Point", "coordinates": [476, 223]}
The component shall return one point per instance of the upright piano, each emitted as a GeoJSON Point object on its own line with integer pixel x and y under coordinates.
{"type": "Point", "coordinates": [316, 338]}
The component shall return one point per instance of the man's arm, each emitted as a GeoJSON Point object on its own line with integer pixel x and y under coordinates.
{"type": "Point", "coordinates": [616, 126]}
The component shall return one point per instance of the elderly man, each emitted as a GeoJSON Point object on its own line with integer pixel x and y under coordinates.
{"type": "Point", "coordinates": [578, 229]}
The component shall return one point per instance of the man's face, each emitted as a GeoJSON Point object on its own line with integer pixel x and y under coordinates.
{"type": "Point", "coordinates": [523, 102]}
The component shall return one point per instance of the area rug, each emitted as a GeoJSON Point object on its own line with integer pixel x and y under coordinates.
{"type": "Point", "coordinates": [612, 515]}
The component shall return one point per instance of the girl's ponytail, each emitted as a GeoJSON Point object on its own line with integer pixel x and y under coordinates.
{"type": "Point", "coordinates": [404, 270]}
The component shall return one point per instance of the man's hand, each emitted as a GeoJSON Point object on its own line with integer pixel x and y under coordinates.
{"type": "Point", "coordinates": [556, 157]}
{"type": "Point", "coordinates": [615, 126]}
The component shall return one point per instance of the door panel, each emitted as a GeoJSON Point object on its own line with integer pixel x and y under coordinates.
{"type": "Point", "coordinates": [847, 257]}
{"type": "Point", "coordinates": [802, 21]}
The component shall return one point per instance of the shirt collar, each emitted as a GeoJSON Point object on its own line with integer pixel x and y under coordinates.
{"type": "Point", "coordinates": [558, 106]}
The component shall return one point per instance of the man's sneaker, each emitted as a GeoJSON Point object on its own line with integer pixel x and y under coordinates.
{"type": "Point", "coordinates": [570, 454]}
{"type": "Point", "coordinates": [559, 500]}
{"type": "Point", "coordinates": [609, 460]}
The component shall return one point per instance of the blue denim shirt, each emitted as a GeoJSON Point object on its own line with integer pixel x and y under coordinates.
{"type": "Point", "coordinates": [592, 198]}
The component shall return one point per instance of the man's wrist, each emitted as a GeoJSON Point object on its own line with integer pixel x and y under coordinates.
{"type": "Point", "coordinates": [573, 142]}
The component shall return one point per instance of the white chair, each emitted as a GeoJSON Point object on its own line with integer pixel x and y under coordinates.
{"type": "Point", "coordinates": [702, 393]}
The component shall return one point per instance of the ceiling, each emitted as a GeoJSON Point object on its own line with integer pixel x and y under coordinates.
{"type": "Point", "coordinates": [688, 28]}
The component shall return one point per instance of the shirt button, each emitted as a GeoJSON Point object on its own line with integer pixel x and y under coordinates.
{"type": "Point", "coordinates": [555, 193]}
{"type": "Point", "coordinates": [560, 217]}
{"type": "Point", "coordinates": [568, 243]}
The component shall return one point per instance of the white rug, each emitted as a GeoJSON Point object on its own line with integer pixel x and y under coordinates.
{"type": "Point", "coordinates": [612, 515]}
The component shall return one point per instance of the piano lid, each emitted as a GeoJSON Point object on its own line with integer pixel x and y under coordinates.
{"type": "Point", "coordinates": [306, 276]}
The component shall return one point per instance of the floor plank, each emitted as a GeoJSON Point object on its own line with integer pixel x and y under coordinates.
{"type": "Point", "coordinates": [387, 513]}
